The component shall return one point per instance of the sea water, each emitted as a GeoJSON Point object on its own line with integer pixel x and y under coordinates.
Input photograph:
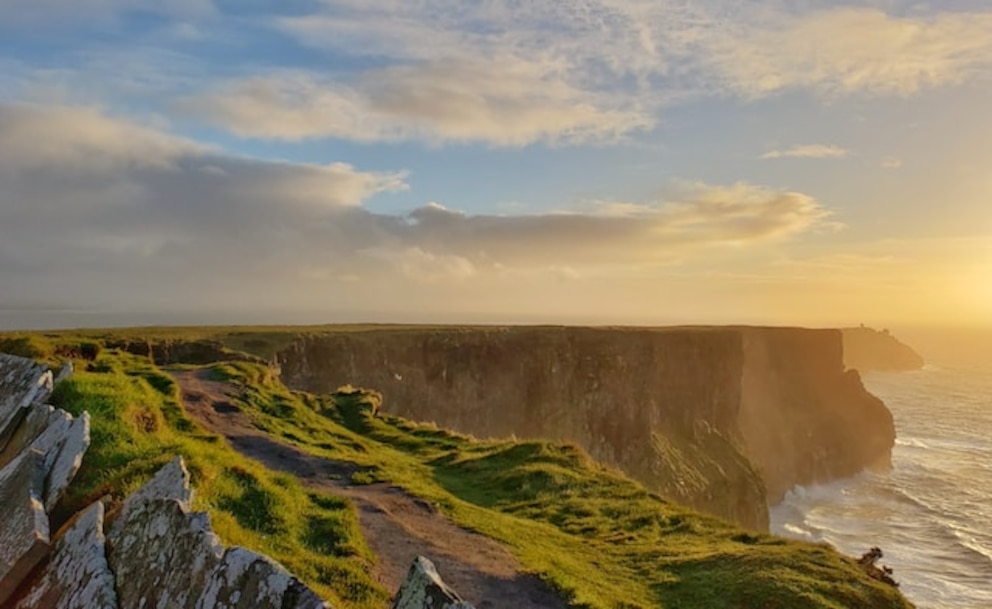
{"type": "Point", "coordinates": [932, 513]}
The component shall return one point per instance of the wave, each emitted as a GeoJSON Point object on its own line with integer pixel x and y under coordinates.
{"type": "Point", "coordinates": [930, 512]}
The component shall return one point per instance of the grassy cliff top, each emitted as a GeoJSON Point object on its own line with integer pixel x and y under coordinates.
{"type": "Point", "coordinates": [597, 538]}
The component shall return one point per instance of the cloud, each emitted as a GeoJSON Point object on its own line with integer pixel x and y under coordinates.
{"type": "Point", "coordinates": [846, 50]}
{"type": "Point", "coordinates": [808, 151]}
{"type": "Point", "coordinates": [669, 47]}
{"type": "Point", "coordinates": [99, 210]}
{"type": "Point", "coordinates": [503, 103]}
{"type": "Point", "coordinates": [891, 162]}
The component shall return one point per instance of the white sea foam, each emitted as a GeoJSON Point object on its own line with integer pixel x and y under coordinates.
{"type": "Point", "coordinates": [932, 513]}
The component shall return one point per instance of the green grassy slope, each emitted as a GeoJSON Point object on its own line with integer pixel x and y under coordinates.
{"type": "Point", "coordinates": [599, 538]}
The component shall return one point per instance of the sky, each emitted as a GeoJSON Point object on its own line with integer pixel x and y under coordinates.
{"type": "Point", "coordinates": [775, 162]}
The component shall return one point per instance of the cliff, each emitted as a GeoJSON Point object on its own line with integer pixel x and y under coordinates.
{"type": "Point", "coordinates": [721, 419]}
{"type": "Point", "coordinates": [869, 349]}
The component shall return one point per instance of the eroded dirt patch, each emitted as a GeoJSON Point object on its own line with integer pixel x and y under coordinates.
{"type": "Point", "coordinates": [397, 525]}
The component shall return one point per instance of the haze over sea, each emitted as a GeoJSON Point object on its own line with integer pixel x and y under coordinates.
{"type": "Point", "coordinates": [932, 513]}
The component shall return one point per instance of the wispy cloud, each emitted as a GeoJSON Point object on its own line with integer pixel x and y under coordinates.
{"type": "Point", "coordinates": [891, 162]}
{"type": "Point", "coordinates": [808, 151]}
{"type": "Point", "coordinates": [507, 73]}
{"type": "Point", "coordinates": [508, 103]}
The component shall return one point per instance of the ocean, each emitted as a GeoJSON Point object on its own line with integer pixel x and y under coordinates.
{"type": "Point", "coordinates": [932, 513]}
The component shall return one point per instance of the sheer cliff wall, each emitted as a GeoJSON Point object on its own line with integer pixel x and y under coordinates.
{"type": "Point", "coordinates": [716, 418]}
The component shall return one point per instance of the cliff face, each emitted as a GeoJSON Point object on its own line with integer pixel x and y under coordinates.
{"type": "Point", "coordinates": [868, 349]}
{"type": "Point", "coordinates": [705, 416]}
{"type": "Point", "coordinates": [804, 418]}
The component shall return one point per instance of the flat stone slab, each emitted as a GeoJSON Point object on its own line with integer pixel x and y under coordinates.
{"type": "Point", "coordinates": [245, 580]}
{"type": "Point", "coordinates": [164, 556]}
{"type": "Point", "coordinates": [423, 588]}
{"type": "Point", "coordinates": [22, 382]}
{"type": "Point", "coordinates": [68, 460]}
{"type": "Point", "coordinates": [161, 557]}
{"type": "Point", "coordinates": [24, 528]}
{"type": "Point", "coordinates": [77, 576]}
{"type": "Point", "coordinates": [169, 482]}
{"type": "Point", "coordinates": [38, 418]}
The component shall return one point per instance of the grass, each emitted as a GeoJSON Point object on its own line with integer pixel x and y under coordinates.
{"type": "Point", "coordinates": [597, 537]}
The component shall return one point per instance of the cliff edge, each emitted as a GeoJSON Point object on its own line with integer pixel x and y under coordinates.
{"type": "Point", "coordinates": [869, 349]}
{"type": "Point", "coordinates": [721, 419]}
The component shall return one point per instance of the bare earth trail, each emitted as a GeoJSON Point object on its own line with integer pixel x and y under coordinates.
{"type": "Point", "coordinates": [397, 526]}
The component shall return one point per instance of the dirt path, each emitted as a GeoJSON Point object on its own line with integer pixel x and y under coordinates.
{"type": "Point", "coordinates": [397, 526]}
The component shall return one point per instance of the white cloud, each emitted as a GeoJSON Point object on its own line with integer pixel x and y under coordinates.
{"type": "Point", "coordinates": [808, 151]}
{"type": "Point", "coordinates": [509, 103]}
{"type": "Point", "coordinates": [102, 208]}
{"type": "Point", "coordinates": [750, 50]}
{"type": "Point", "coordinates": [847, 50]}
{"type": "Point", "coordinates": [891, 162]}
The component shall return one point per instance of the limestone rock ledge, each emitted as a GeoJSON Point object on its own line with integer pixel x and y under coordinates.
{"type": "Point", "coordinates": [77, 576]}
{"type": "Point", "coordinates": [424, 589]}
{"type": "Point", "coordinates": [165, 556]}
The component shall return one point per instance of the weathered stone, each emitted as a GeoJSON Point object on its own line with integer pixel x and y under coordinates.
{"type": "Point", "coordinates": [51, 440]}
{"type": "Point", "coordinates": [77, 576]}
{"type": "Point", "coordinates": [161, 557]}
{"type": "Point", "coordinates": [245, 580]}
{"type": "Point", "coordinates": [37, 420]}
{"type": "Point", "coordinates": [67, 462]}
{"type": "Point", "coordinates": [424, 589]}
{"type": "Point", "coordinates": [22, 382]}
{"type": "Point", "coordinates": [24, 529]}
{"type": "Point", "coordinates": [170, 482]}
{"type": "Point", "coordinates": [64, 373]}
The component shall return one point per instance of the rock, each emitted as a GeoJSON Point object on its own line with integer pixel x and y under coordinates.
{"type": "Point", "coordinates": [68, 460]}
{"type": "Point", "coordinates": [883, 573]}
{"type": "Point", "coordinates": [170, 482]}
{"type": "Point", "coordinates": [24, 533]}
{"type": "Point", "coordinates": [37, 419]}
{"type": "Point", "coordinates": [22, 382]}
{"type": "Point", "coordinates": [245, 580]}
{"type": "Point", "coordinates": [424, 589]}
{"type": "Point", "coordinates": [164, 556]}
{"type": "Point", "coordinates": [160, 556]}
{"type": "Point", "coordinates": [77, 576]}
{"type": "Point", "coordinates": [64, 373]}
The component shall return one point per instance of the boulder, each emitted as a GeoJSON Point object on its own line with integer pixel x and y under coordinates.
{"type": "Point", "coordinates": [69, 459]}
{"type": "Point", "coordinates": [24, 529]}
{"type": "Point", "coordinates": [424, 589]}
{"type": "Point", "coordinates": [160, 556]}
{"type": "Point", "coordinates": [170, 482]}
{"type": "Point", "coordinates": [38, 418]}
{"type": "Point", "coordinates": [22, 383]}
{"type": "Point", "coordinates": [245, 580]}
{"type": "Point", "coordinates": [165, 556]}
{"type": "Point", "coordinates": [77, 576]}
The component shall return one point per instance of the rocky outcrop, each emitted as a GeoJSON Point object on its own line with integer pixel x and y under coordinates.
{"type": "Point", "coordinates": [423, 588]}
{"type": "Point", "coordinates": [164, 556]}
{"type": "Point", "coordinates": [696, 414]}
{"type": "Point", "coordinates": [24, 534]}
{"type": "Point", "coordinates": [157, 554]}
{"type": "Point", "coordinates": [868, 349]}
{"type": "Point", "coordinates": [77, 576]}
{"type": "Point", "coordinates": [22, 383]}
{"type": "Point", "coordinates": [168, 352]}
